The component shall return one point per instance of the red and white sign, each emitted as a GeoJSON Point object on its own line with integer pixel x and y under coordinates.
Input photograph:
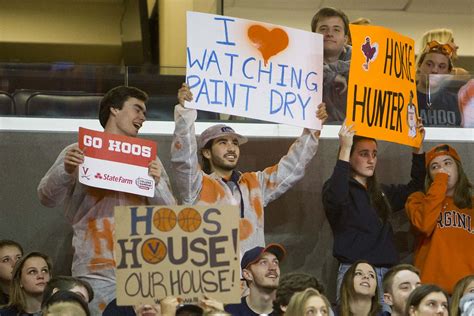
{"type": "Point", "coordinates": [116, 162]}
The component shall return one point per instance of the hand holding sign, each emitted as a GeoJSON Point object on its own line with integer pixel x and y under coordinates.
{"type": "Point", "coordinates": [154, 170]}
{"type": "Point", "coordinates": [346, 138]}
{"type": "Point", "coordinates": [184, 94]}
{"type": "Point", "coordinates": [73, 158]}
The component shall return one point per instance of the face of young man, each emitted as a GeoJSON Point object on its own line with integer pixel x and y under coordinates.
{"type": "Point", "coordinates": [332, 28]}
{"type": "Point", "coordinates": [224, 153]}
{"type": "Point", "coordinates": [265, 273]}
{"type": "Point", "coordinates": [9, 255]}
{"type": "Point", "coordinates": [404, 282]}
{"type": "Point", "coordinates": [434, 63]}
{"type": "Point", "coordinates": [127, 120]}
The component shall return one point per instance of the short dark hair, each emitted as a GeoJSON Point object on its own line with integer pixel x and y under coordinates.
{"type": "Point", "coordinates": [65, 297]}
{"type": "Point", "coordinates": [65, 283]}
{"type": "Point", "coordinates": [387, 281]}
{"type": "Point", "coordinates": [420, 293]}
{"type": "Point", "coordinates": [10, 243]}
{"type": "Point", "coordinates": [291, 283]}
{"type": "Point", "coordinates": [115, 98]}
{"type": "Point", "coordinates": [205, 163]}
{"type": "Point", "coordinates": [327, 13]}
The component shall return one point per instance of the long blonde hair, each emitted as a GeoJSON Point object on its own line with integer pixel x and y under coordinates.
{"type": "Point", "coordinates": [459, 289]}
{"type": "Point", "coordinates": [299, 299]}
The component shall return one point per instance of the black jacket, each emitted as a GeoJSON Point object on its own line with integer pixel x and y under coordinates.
{"type": "Point", "coordinates": [358, 231]}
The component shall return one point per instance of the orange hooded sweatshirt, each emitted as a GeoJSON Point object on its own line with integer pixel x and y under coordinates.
{"type": "Point", "coordinates": [444, 250]}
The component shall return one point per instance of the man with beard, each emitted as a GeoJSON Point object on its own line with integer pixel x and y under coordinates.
{"type": "Point", "coordinates": [218, 182]}
{"type": "Point", "coordinates": [261, 270]}
{"type": "Point", "coordinates": [398, 283]}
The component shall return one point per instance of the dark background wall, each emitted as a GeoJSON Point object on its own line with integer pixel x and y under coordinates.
{"type": "Point", "coordinates": [296, 220]}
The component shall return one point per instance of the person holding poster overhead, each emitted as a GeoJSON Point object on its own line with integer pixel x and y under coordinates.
{"type": "Point", "coordinates": [90, 210]}
{"type": "Point", "coordinates": [220, 182]}
{"type": "Point", "coordinates": [358, 207]}
{"type": "Point", "coordinates": [442, 216]}
{"type": "Point", "coordinates": [333, 24]}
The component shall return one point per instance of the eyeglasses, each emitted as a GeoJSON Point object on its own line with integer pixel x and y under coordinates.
{"type": "Point", "coordinates": [435, 46]}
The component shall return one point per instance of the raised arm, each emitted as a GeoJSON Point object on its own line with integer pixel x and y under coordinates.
{"type": "Point", "coordinates": [398, 194]}
{"type": "Point", "coordinates": [184, 155]}
{"type": "Point", "coordinates": [277, 179]}
{"type": "Point", "coordinates": [336, 188]}
{"type": "Point", "coordinates": [423, 209]}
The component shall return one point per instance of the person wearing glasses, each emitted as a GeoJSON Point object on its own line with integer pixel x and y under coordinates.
{"type": "Point", "coordinates": [436, 105]}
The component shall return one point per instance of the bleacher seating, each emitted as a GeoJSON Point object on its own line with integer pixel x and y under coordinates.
{"type": "Point", "coordinates": [161, 108]}
{"type": "Point", "coordinates": [66, 104]}
{"type": "Point", "coordinates": [7, 105]}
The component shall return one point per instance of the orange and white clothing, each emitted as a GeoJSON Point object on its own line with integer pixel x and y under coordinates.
{"type": "Point", "coordinates": [444, 252]}
{"type": "Point", "coordinates": [251, 191]}
{"type": "Point", "coordinates": [90, 211]}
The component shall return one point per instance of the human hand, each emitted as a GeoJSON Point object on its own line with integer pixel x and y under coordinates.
{"type": "Point", "coordinates": [340, 84]}
{"type": "Point", "coordinates": [184, 94]}
{"type": "Point", "coordinates": [321, 113]}
{"type": "Point", "coordinates": [209, 304]}
{"type": "Point", "coordinates": [73, 158]}
{"type": "Point", "coordinates": [154, 170]}
{"type": "Point", "coordinates": [421, 129]}
{"type": "Point", "coordinates": [169, 304]}
{"type": "Point", "coordinates": [346, 135]}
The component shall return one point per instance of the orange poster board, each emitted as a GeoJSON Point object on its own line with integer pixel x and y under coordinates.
{"type": "Point", "coordinates": [381, 98]}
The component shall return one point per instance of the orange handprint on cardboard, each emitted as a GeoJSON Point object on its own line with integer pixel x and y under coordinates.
{"type": "Point", "coordinates": [269, 43]}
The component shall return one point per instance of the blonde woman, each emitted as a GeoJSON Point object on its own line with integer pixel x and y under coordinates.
{"type": "Point", "coordinates": [308, 302]}
{"type": "Point", "coordinates": [462, 287]}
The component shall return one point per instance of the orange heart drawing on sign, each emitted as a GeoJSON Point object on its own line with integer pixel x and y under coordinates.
{"type": "Point", "coordinates": [269, 43]}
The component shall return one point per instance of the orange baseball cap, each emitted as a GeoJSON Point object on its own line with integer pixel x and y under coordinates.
{"type": "Point", "coordinates": [439, 150]}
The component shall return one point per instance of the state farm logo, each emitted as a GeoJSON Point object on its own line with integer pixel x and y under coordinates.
{"type": "Point", "coordinates": [144, 184]}
{"type": "Point", "coordinates": [110, 178]}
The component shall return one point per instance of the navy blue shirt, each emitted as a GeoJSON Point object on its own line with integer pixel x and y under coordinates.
{"type": "Point", "coordinates": [359, 233]}
{"type": "Point", "coordinates": [242, 309]}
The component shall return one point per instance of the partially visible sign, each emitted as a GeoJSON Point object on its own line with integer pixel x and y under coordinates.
{"type": "Point", "coordinates": [116, 162]}
{"type": "Point", "coordinates": [381, 99]}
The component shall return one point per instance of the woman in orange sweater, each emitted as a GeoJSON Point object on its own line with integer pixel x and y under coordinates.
{"type": "Point", "coordinates": [444, 218]}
